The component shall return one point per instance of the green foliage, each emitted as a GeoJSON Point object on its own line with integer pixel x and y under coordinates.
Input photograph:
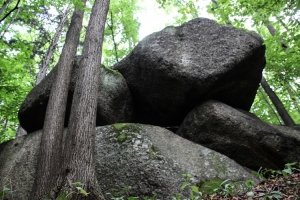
{"type": "Point", "coordinates": [194, 190]}
{"type": "Point", "coordinates": [226, 189]}
{"type": "Point", "coordinates": [289, 169]}
{"type": "Point", "coordinates": [26, 35]}
{"type": "Point", "coordinates": [78, 191]}
{"type": "Point", "coordinates": [121, 193]}
{"type": "Point", "coordinates": [208, 187]}
{"type": "Point", "coordinates": [121, 32]}
{"type": "Point", "coordinates": [182, 10]}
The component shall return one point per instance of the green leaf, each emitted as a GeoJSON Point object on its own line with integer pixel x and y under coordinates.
{"type": "Point", "coordinates": [195, 189]}
{"type": "Point", "coordinates": [184, 184]}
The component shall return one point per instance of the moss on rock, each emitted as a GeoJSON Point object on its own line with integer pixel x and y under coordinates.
{"type": "Point", "coordinates": [208, 186]}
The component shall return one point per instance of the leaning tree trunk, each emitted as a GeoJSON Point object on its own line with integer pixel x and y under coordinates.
{"type": "Point", "coordinates": [49, 160]}
{"type": "Point", "coordinates": [286, 118]}
{"type": "Point", "coordinates": [79, 147]}
{"type": "Point", "coordinates": [46, 61]}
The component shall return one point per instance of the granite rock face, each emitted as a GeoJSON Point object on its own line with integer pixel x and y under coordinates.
{"type": "Point", "coordinates": [149, 159]}
{"type": "Point", "coordinates": [171, 71]}
{"type": "Point", "coordinates": [114, 100]}
{"type": "Point", "coordinates": [241, 136]}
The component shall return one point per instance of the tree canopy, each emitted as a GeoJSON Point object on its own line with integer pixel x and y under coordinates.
{"type": "Point", "coordinates": [28, 27]}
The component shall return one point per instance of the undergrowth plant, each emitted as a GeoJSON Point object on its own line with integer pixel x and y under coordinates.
{"type": "Point", "coordinates": [289, 169]}
{"type": "Point", "coordinates": [77, 191]}
{"type": "Point", "coordinates": [194, 190]}
{"type": "Point", "coordinates": [4, 192]}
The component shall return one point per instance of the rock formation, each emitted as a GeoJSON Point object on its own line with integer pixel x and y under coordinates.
{"type": "Point", "coordinates": [171, 71]}
{"type": "Point", "coordinates": [114, 100]}
{"type": "Point", "coordinates": [200, 76]}
{"type": "Point", "coordinates": [148, 158]}
{"type": "Point", "coordinates": [241, 136]}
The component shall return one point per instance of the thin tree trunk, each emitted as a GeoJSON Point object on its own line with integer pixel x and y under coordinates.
{"type": "Point", "coordinates": [113, 36]}
{"type": "Point", "coordinates": [5, 4]}
{"type": "Point", "coordinates": [286, 118]}
{"type": "Point", "coordinates": [45, 63]}
{"type": "Point", "coordinates": [79, 147]}
{"type": "Point", "coordinates": [49, 160]}
{"type": "Point", "coordinates": [269, 104]}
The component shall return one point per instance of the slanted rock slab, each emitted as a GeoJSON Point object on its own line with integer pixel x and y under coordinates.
{"type": "Point", "coordinates": [149, 159]}
{"type": "Point", "coordinates": [171, 71]}
{"type": "Point", "coordinates": [241, 136]}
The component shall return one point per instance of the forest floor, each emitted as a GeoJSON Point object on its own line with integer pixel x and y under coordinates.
{"type": "Point", "coordinates": [282, 187]}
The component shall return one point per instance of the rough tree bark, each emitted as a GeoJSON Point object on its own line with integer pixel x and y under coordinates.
{"type": "Point", "coordinates": [286, 118]}
{"type": "Point", "coordinates": [49, 160]}
{"type": "Point", "coordinates": [45, 63]}
{"type": "Point", "coordinates": [78, 159]}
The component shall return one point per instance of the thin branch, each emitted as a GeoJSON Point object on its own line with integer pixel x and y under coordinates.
{"type": "Point", "coordinates": [14, 18]}
{"type": "Point", "coordinates": [269, 104]}
{"type": "Point", "coordinates": [45, 63]}
{"type": "Point", "coordinates": [113, 36]}
{"type": "Point", "coordinates": [16, 7]}
{"type": "Point", "coordinates": [5, 4]}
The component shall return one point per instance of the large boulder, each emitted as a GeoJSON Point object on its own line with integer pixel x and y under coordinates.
{"type": "Point", "coordinates": [149, 159]}
{"type": "Point", "coordinates": [171, 71]}
{"type": "Point", "coordinates": [241, 136]}
{"type": "Point", "coordinates": [114, 100]}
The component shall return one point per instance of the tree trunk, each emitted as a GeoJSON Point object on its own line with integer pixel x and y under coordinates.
{"type": "Point", "coordinates": [269, 104]}
{"type": "Point", "coordinates": [49, 160]}
{"type": "Point", "coordinates": [45, 63]}
{"type": "Point", "coordinates": [79, 147]}
{"type": "Point", "coordinates": [5, 4]}
{"type": "Point", "coordinates": [286, 118]}
{"type": "Point", "coordinates": [111, 26]}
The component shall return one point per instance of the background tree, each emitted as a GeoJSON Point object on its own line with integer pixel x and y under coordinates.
{"type": "Point", "coordinates": [23, 45]}
{"type": "Point", "coordinates": [121, 32]}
